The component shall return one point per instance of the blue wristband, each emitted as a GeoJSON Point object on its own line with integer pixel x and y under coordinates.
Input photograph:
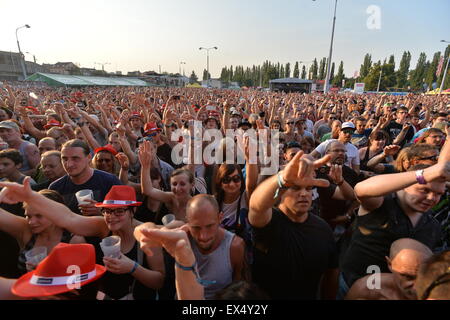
{"type": "Point", "coordinates": [193, 268]}
{"type": "Point", "coordinates": [136, 265]}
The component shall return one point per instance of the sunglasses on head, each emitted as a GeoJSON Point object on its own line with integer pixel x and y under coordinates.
{"type": "Point", "coordinates": [433, 158]}
{"type": "Point", "coordinates": [235, 179]}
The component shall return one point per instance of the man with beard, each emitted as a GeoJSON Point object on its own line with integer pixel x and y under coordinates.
{"type": "Point", "coordinates": [218, 252]}
{"type": "Point", "coordinates": [406, 255]}
{"type": "Point", "coordinates": [336, 199]}
{"type": "Point", "coordinates": [394, 206]}
{"type": "Point", "coordinates": [345, 135]}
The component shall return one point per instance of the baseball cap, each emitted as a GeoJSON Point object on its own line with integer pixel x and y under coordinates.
{"type": "Point", "coordinates": [347, 125]}
{"type": "Point", "coordinates": [8, 124]}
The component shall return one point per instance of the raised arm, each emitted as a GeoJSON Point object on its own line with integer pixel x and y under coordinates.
{"type": "Point", "coordinates": [145, 157]}
{"type": "Point", "coordinates": [298, 173]}
{"type": "Point", "coordinates": [56, 212]}
{"type": "Point", "coordinates": [177, 244]}
{"type": "Point", "coordinates": [370, 192]}
{"type": "Point", "coordinates": [14, 225]}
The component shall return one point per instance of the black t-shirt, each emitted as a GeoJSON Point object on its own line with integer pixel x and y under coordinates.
{"type": "Point", "coordinates": [330, 208]}
{"type": "Point", "coordinates": [164, 152]}
{"type": "Point", "coordinates": [394, 129]}
{"type": "Point", "coordinates": [290, 258]}
{"type": "Point", "coordinates": [376, 231]}
{"type": "Point", "coordinates": [100, 183]}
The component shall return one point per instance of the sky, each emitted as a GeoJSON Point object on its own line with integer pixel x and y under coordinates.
{"type": "Point", "coordinates": [146, 34]}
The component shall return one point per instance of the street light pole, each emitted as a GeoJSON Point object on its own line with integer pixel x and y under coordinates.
{"type": "Point", "coordinates": [207, 63]}
{"type": "Point", "coordinates": [379, 80]}
{"type": "Point", "coordinates": [22, 58]}
{"type": "Point", "coordinates": [445, 71]}
{"type": "Point", "coordinates": [327, 78]}
{"type": "Point", "coordinates": [179, 71]}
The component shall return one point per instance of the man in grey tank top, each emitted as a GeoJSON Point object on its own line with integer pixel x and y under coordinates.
{"type": "Point", "coordinates": [218, 252]}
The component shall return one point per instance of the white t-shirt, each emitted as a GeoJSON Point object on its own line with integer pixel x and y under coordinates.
{"type": "Point", "coordinates": [352, 152]}
{"type": "Point", "coordinates": [230, 209]}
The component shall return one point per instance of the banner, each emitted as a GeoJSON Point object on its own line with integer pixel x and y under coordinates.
{"type": "Point", "coordinates": [359, 87]}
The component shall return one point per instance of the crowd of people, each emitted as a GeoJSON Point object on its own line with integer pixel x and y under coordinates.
{"type": "Point", "coordinates": [356, 205]}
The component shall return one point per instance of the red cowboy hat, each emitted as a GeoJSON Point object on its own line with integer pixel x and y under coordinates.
{"type": "Point", "coordinates": [108, 148]}
{"type": "Point", "coordinates": [150, 127]}
{"type": "Point", "coordinates": [136, 115]}
{"type": "Point", "coordinates": [119, 196]}
{"type": "Point", "coordinates": [54, 274]}
{"type": "Point", "coordinates": [33, 109]}
{"type": "Point", "coordinates": [52, 123]}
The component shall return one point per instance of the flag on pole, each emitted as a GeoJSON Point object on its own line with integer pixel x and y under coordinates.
{"type": "Point", "coordinates": [440, 65]}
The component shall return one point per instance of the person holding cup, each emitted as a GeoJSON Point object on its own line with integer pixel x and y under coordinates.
{"type": "Point", "coordinates": [34, 231]}
{"type": "Point", "coordinates": [134, 275]}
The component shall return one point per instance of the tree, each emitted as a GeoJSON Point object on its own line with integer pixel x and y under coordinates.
{"type": "Point", "coordinates": [365, 67]}
{"type": "Point", "coordinates": [431, 73]}
{"type": "Point", "coordinates": [388, 76]}
{"type": "Point", "coordinates": [206, 75]}
{"type": "Point", "coordinates": [418, 75]}
{"type": "Point", "coordinates": [332, 73]}
{"type": "Point", "coordinates": [313, 70]}
{"type": "Point", "coordinates": [193, 78]}
{"type": "Point", "coordinates": [303, 72]}
{"type": "Point", "coordinates": [337, 80]}
{"type": "Point", "coordinates": [322, 68]}
{"type": "Point", "coordinates": [371, 80]}
{"type": "Point", "coordinates": [281, 75]}
{"type": "Point", "coordinates": [296, 70]}
{"type": "Point", "coordinates": [287, 70]}
{"type": "Point", "coordinates": [402, 73]}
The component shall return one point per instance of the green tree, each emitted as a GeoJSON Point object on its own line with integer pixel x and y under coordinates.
{"type": "Point", "coordinates": [371, 80]}
{"type": "Point", "coordinates": [281, 75]}
{"type": "Point", "coordinates": [332, 73]}
{"type": "Point", "coordinates": [365, 67]}
{"type": "Point", "coordinates": [419, 73]}
{"type": "Point", "coordinates": [388, 76]}
{"type": "Point", "coordinates": [337, 80]}
{"type": "Point", "coordinates": [402, 73]}
{"type": "Point", "coordinates": [303, 76]}
{"type": "Point", "coordinates": [313, 70]}
{"type": "Point", "coordinates": [206, 75]}
{"type": "Point", "coordinates": [431, 77]}
{"type": "Point", "coordinates": [287, 70]}
{"type": "Point", "coordinates": [322, 69]}
{"type": "Point", "coordinates": [296, 70]}
{"type": "Point", "coordinates": [193, 78]}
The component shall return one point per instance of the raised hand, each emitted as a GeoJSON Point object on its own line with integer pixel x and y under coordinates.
{"type": "Point", "coordinates": [391, 150]}
{"type": "Point", "coordinates": [145, 154]}
{"type": "Point", "coordinates": [336, 174]}
{"type": "Point", "coordinates": [123, 160]}
{"type": "Point", "coordinates": [13, 192]}
{"type": "Point", "coordinates": [300, 171]}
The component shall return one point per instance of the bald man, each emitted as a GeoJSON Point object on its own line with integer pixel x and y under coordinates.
{"type": "Point", "coordinates": [404, 260]}
{"type": "Point", "coordinates": [46, 144]}
{"type": "Point", "coordinates": [218, 252]}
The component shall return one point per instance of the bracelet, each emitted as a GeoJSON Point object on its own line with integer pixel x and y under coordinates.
{"type": "Point", "coordinates": [193, 268]}
{"type": "Point", "coordinates": [420, 178]}
{"type": "Point", "coordinates": [281, 185]}
{"type": "Point", "coordinates": [136, 265]}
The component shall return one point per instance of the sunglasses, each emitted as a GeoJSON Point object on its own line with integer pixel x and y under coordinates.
{"type": "Point", "coordinates": [116, 212]}
{"type": "Point", "coordinates": [235, 179]}
{"type": "Point", "coordinates": [434, 158]}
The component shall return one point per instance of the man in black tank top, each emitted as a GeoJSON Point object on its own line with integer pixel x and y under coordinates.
{"type": "Point", "coordinates": [294, 251]}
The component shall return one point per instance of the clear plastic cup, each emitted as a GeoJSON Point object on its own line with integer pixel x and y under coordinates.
{"type": "Point", "coordinates": [83, 195]}
{"type": "Point", "coordinates": [111, 247]}
{"type": "Point", "coordinates": [34, 256]}
{"type": "Point", "coordinates": [168, 218]}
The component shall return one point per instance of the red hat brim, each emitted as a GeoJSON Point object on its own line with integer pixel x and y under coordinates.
{"type": "Point", "coordinates": [23, 287]}
{"type": "Point", "coordinates": [110, 205]}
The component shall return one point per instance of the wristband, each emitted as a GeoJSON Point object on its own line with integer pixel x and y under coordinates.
{"type": "Point", "coordinates": [281, 185]}
{"type": "Point", "coordinates": [193, 268]}
{"type": "Point", "coordinates": [420, 178]}
{"type": "Point", "coordinates": [136, 265]}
